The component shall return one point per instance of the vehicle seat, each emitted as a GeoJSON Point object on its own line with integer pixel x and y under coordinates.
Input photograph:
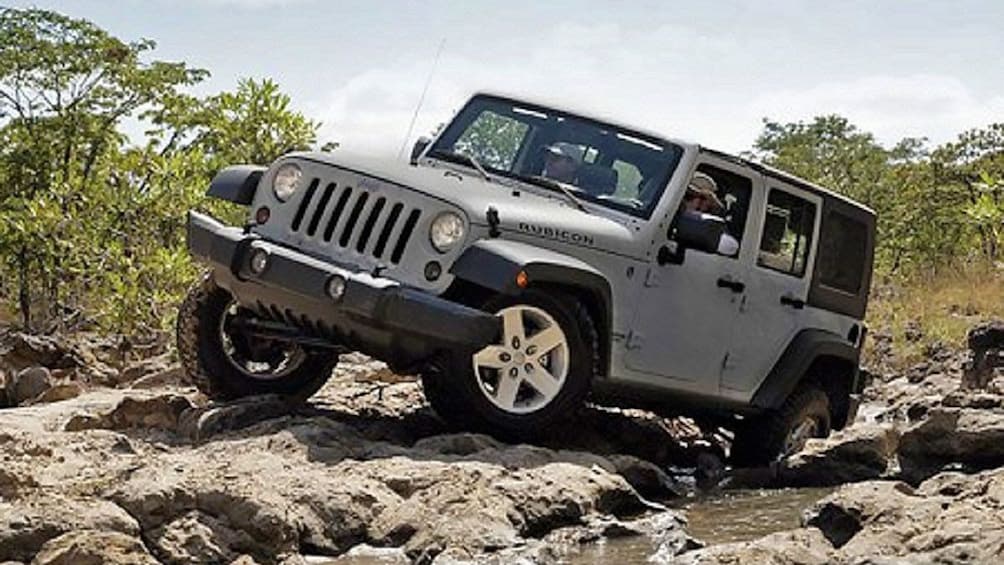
{"type": "Point", "coordinates": [597, 179]}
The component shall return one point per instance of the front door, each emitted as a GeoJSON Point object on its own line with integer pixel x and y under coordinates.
{"type": "Point", "coordinates": [774, 308]}
{"type": "Point", "coordinates": [682, 329]}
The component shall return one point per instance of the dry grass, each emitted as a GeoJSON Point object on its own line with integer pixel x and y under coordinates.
{"type": "Point", "coordinates": [920, 313]}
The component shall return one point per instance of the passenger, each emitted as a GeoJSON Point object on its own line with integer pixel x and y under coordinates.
{"type": "Point", "coordinates": [562, 162]}
{"type": "Point", "coordinates": [702, 198]}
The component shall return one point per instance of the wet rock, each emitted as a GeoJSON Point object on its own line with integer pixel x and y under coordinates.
{"type": "Point", "coordinates": [795, 547]}
{"type": "Point", "coordinates": [28, 523]}
{"type": "Point", "coordinates": [857, 453]}
{"type": "Point", "coordinates": [156, 412]}
{"type": "Point", "coordinates": [203, 423]}
{"type": "Point", "coordinates": [969, 437]}
{"type": "Point", "coordinates": [27, 384]}
{"type": "Point", "coordinates": [93, 547]}
{"type": "Point", "coordinates": [649, 480]}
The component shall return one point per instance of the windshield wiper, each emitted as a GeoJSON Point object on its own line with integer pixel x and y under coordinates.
{"type": "Point", "coordinates": [553, 185]}
{"type": "Point", "coordinates": [464, 159]}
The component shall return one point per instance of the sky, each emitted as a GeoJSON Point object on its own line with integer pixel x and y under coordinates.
{"type": "Point", "coordinates": [703, 71]}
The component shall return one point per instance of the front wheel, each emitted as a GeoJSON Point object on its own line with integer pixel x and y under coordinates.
{"type": "Point", "coordinates": [536, 374]}
{"type": "Point", "coordinates": [225, 364]}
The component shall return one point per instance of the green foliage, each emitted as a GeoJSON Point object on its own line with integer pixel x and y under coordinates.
{"type": "Point", "coordinates": [93, 226]}
{"type": "Point", "coordinates": [936, 209]}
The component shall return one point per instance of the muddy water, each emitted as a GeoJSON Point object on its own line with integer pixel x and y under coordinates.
{"type": "Point", "coordinates": [731, 516]}
{"type": "Point", "coordinates": [728, 517]}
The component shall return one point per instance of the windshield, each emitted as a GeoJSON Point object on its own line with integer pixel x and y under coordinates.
{"type": "Point", "coordinates": [598, 162]}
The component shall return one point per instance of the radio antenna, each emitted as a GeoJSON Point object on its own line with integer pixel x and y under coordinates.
{"type": "Point", "coordinates": [421, 99]}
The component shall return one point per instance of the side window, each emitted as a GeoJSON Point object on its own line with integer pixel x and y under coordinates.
{"type": "Point", "coordinates": [843, 245]}
{"type": "Point", "coordinates": [734, 192]}
{"type": "Point", "coordinates": [787, 233]}
{"type": "Point", "coordinates": [493, 139]}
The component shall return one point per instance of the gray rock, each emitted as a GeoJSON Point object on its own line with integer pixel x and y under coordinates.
{"type": "Point", "coordinates": [857, 453]}
{"type": "Point", "coordinates": [28, 523]}
{"type": "Point", "coordinates": [970, 437]}
{"type": "Point", "coordinates": [806, 546]}
{"type": "Point", "coordinates": [203, 423]}
{"type": "Point", "coordinates": [27, 384]}
{"type": "Point", "coordinates": [157, 412]}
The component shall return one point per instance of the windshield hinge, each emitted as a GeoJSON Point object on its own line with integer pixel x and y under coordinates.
{"type": "Point", "coordinates": [492, 215]}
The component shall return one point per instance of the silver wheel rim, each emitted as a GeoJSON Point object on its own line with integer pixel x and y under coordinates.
{"type": "Point", "coordinates": [800, 434]}
{"type": "Point", "coordinates": [528, 369]}
{"type": "Point", "coordinates": [292, 356]}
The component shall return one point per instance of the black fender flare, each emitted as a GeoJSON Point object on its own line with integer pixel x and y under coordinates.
{"type": "Point", "coordinates": [236, 183]}
{"type": "Point", "coordinates": [495, 263]}
{"type": "Point", "coordinates": [807, 346]}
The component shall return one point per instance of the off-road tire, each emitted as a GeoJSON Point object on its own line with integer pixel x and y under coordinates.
{"type": "Point", "coordinates": [205, 364]}
{"type": "Point", "coordinates": [455, 393]}
{"type": "Point", "coordinates": [761, 440]}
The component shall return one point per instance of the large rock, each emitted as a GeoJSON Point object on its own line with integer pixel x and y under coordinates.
{"type": "Point", "coordinates": [857, 453]}
{"type": "Point", "coordinates": [93, 547]}
{"type": "Point", "coordinates": [806, 546]}
{"type": "Point", "coordinates": [27, 384]}
{"type": "Point", "coordinates": [970, 437]}
{"type": "Point", "coordinates": [986, 344]}
{"type": "Point", "coordinates": [951, 518]}
{"type": "Point", "coordinates": [157, 412]}
{"type": "Point", "coordinates": [28, 523]}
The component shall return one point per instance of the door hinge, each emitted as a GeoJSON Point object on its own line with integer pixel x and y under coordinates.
{"type": "Point", "coordinates": [634, 340]}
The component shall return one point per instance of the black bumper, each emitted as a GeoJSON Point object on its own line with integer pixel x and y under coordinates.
{"type": "Point", "coordinates": [377, 316]}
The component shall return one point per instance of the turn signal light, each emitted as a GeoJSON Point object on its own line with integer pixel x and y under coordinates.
{"type": "Point", "coordinates": [522, 280]}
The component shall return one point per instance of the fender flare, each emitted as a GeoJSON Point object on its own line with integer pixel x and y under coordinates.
{"type": "Point", "coordinates": [495, 263]}
{"type": "Point", "coordinates": [236, 183]}
{"type": "Point", "coordinates": [807, 346]}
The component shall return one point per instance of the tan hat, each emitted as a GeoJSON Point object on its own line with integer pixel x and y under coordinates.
{"type": "Point", "coordinates": [705, 186]}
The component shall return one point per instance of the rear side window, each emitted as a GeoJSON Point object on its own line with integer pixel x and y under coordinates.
{"type": "Point", "coordinates": [843, 245]}
{"type": "Point", "coordinates": [787, 233]}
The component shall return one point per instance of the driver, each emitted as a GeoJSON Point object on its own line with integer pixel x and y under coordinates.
{"type": "Point", "coordinates": [702, 198]}
{"type": "Point", "coordinates": [562, 161]}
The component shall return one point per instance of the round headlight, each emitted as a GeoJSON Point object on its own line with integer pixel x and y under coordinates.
{"type": "Point", "coordinates": [286, 181]}
{"type": "Point", "coordinates": [446, 231]}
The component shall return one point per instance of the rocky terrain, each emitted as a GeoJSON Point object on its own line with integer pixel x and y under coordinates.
{"type": "Point", "coordinates": [107, 457]}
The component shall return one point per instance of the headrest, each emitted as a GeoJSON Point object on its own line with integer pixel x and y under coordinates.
{"type": "Point", "coordinates": [597, 179]}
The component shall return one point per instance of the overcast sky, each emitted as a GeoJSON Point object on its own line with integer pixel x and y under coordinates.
{"type": "Point", "coordinates": [705, 71]}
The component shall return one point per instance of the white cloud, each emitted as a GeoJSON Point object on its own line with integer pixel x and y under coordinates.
{"type": "Point", "coordinates": [601, 69]}
{"type": "Point", "coordinates": [669, 79]}
{"type": "Point", "coordinates": [936, 106]}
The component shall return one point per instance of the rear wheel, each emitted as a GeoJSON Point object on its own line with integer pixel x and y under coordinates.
{"type": "Point", "coordinates": [537, 373]}
{"type": "Point", "coordinates": [226, 364]}
{"type": "Point", "coordinates": [778, 434]}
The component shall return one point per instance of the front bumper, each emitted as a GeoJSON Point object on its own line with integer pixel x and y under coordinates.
{"type": "Point", "coordinates": [375, 315]}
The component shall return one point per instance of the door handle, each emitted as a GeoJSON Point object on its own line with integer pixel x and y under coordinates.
{"type": "Point", "coordinates": [796, 303]}
{"type": "Point", "coordinates": [734, 286]}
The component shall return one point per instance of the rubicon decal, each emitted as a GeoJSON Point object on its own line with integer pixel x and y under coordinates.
{"type": "Point", "coordinates": [555, 233]}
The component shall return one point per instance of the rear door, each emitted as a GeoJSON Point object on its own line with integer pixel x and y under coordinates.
{"type": "Point", "coordinates": [773, 309]}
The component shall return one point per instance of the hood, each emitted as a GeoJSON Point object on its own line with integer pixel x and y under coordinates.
{"type": "Point", "coordinates": [524, 212]}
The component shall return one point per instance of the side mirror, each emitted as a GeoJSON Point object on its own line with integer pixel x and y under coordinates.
{"type": "Point", "coordinates": [419, 148]}
{"type": "Point", "coordinates": [701, 232]}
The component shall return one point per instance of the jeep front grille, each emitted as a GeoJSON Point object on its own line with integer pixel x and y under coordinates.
{"type": "Point", "coordinates": [347, 217]}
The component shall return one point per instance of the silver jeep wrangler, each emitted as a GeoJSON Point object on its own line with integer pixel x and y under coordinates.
{"type": "Point", "coordinates": [529, 259]}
